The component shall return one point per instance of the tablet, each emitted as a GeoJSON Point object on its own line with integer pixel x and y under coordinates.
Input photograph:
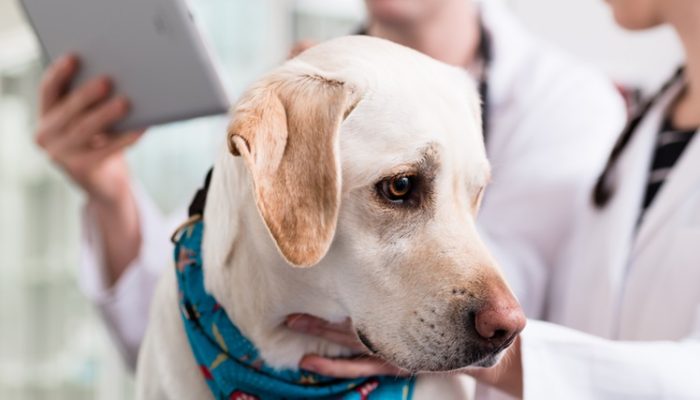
{"type": "Point", "coordinates": [150, 48]}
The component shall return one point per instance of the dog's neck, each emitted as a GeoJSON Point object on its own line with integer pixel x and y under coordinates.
{"type": "Point", "coordinates": [252, 282]}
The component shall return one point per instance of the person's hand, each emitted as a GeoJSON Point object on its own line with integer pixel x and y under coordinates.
{"type": "Point", "coordinates": [506, 376]}
{"type": "Point", "coordinates": [73, 130]}
{"type": "Point", "coordinates": [299, 47]}
{"type": "Point", "coordinates": [357, 367]}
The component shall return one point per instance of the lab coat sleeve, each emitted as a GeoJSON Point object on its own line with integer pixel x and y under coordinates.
{"type": "Point", "coordinates": [124, 306]}
{"type": "Point", "coordinates": [560, 363]}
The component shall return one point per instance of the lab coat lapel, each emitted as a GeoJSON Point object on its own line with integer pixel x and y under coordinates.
{"type": "Point", "coordinates": [619, 219]}
{"type": "Point", "coordinates": [597, 266]}
{"type": "Point", "coordinates": [684, 178]}
{"type": "Point", "coordinates": [680, 181]}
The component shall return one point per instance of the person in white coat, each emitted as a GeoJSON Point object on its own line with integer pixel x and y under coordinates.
{"type": "Point", "coordinates": [542, 109]}
{"type": "Point", "coordinates": [626, 298]}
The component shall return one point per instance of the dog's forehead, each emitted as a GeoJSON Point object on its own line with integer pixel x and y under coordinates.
{"type": "Point", "coordinates": [408, 102]}
{"type": "Point", "coordinates": [379, 136]}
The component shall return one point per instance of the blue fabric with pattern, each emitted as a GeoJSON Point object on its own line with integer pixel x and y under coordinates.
{"type": "Point", "coordinates": [231, 364]}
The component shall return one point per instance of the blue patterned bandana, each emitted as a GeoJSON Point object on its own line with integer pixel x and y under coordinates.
{"type": "Point", "coordinates": [231, 364]}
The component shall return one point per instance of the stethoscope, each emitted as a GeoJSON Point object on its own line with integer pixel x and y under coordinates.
{"type": "Point", "coordinates": [604, 188]}
{"type": "Point", "coordinates": [486, 55]}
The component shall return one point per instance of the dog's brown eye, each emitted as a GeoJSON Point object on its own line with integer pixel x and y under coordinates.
{"type": "Point", "coordinates": [397, 189]}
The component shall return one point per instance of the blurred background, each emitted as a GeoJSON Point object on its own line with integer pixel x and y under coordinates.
{"type": "Point", "coordinates": [52, 344]}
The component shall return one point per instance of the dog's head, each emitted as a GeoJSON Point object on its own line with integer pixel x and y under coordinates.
{"type": "Point", "coordinates": [375, 152]}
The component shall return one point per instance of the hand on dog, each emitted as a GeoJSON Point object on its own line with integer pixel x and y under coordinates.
{"type": "Point", "coordinates": [299, 47]}
{"type": "Point", "coordinates": [506, 376]}
{"type": "Point", "coordinates": [343, 334]}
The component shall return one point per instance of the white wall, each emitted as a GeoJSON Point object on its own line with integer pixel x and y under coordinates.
{"type": "Point", "coordinates": [587, 29]}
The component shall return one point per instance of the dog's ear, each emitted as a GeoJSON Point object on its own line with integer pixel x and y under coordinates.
{"type": "Point", "coordinates": [286, 130]}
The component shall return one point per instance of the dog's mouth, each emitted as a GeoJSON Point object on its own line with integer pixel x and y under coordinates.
{"type": "Point", "coordinates": [492, 357]}
{"type": "Point", "coordinates": [506, 344]}
{"type": "Point", "coordinates": [495, 355]}
{"type": "Point", "coordinates": [366, 342]}
{"type": "Point", "coordinates": [482, 358]}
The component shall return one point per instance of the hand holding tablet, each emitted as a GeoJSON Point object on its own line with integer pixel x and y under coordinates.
{"type": "Point", "coordinates": [150, 49]}
{"type": "Point", "coordinates": [116, 68]}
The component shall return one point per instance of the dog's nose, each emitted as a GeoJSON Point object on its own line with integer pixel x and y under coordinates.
{"type": "Point", "coordinates": [500, 321]}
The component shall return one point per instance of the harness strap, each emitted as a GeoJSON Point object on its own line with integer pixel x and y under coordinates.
{"type": "Point", "coordinates": [195, 210]}
{"type": "Point", "coordinates": [200, 198]}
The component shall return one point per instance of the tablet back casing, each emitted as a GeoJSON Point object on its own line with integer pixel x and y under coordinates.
{"type": "Point", "coordinates": [150, 48]}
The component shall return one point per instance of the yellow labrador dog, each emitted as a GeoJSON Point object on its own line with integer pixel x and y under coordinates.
{"type": "Point", "coordinates": [349, 188]}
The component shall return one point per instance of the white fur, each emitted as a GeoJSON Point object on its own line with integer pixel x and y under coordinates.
{"type": "Point", "coordinates": [409, 103]}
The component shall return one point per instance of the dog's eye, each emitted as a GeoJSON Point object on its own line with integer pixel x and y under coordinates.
{"type": "Point", "coordinates": [397, 189]}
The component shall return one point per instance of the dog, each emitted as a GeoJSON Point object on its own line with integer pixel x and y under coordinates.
{"type": "Point", "coordinates": [349, 187]}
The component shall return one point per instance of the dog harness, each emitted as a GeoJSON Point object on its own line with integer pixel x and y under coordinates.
{"type": "Point", "coordinates": [229, 362]}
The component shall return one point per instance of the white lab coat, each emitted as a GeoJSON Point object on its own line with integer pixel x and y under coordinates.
{"type": "Point", "coordinates": [634, 282]}
{"type": "Point", "coordinates": [552, 123]}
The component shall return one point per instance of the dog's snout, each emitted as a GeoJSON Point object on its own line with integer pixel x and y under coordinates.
{"type": "Point", "coordinates": [497, 325]}
{"type": "Point", "coordinates": [499, 321]}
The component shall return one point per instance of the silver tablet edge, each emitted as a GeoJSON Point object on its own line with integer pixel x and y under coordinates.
{"type": "Point", "coordinates": [212, 69]}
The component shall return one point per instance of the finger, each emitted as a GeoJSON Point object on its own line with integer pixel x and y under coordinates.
{"type": "Point", "coordinates": [80, 135]}
{"type": "Point", "coordinates": [98, 120]}
{"type": "Point", "coordinates": [99, 140]}
{"type": "Point", "coordinates": [343, 339]}
{"type": "Point", "coordinates": [117, 143]}
{"type": "Point", "coordinates": [350, 368]}
{"type": "Point", "coordinates": [305, 322]}
{"type": "Point", "coordinates": [55, 80]}
{"type": "Point", "coordinates": [341, 333]}
{"type": "Point", "coordinates": [70, 108]}
{"type": "Point", "coordinates": [300, 47]}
